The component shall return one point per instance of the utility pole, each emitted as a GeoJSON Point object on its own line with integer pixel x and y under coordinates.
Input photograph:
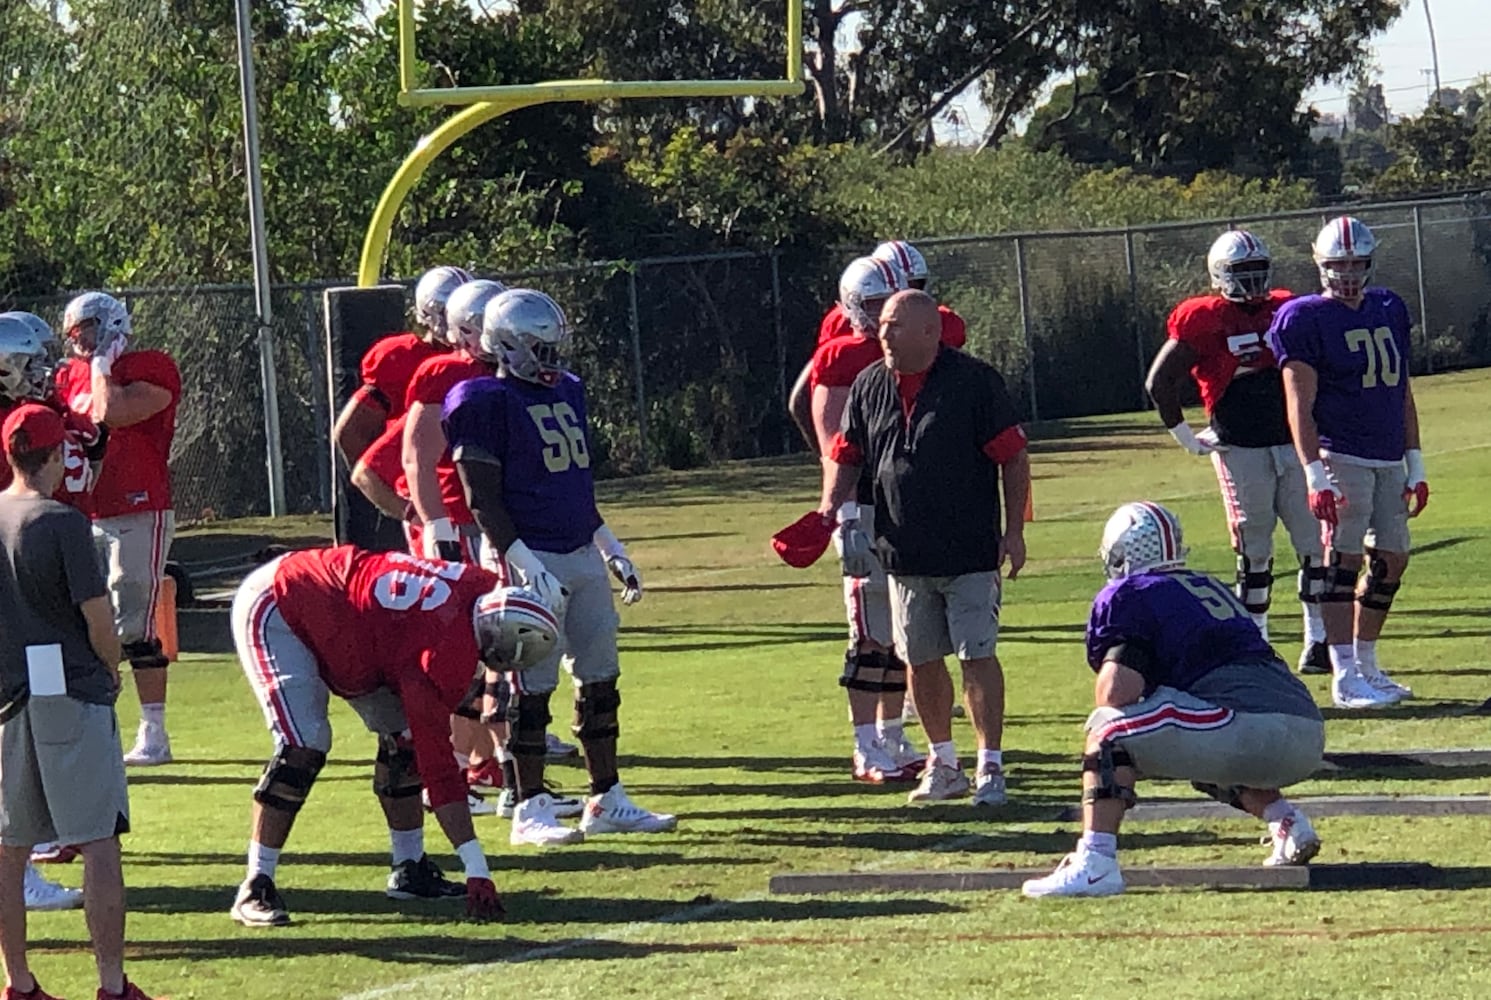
{"type": "Point", "coordinates": [1433, 52]}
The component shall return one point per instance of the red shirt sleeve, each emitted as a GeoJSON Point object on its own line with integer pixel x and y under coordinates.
{"type": "Point", "coordinates": [845, 453]}
{"type": "Point", "coordinates": [154, 367]}
{"type": "Point", "coordinates": [1006, 444]}
{"type": "Point", "coordinates": [834, 324]}
{"type": "Point", "coordinates": [429, 724]}
{"type": "Point", "coordinates": [385, 457]}
{"type": "Point", "coordinates": [954, 330]}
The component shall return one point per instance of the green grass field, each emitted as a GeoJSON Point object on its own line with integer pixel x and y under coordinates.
{"type": "Point", "coordinates": [733, 719]}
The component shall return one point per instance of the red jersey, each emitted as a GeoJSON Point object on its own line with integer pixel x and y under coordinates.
{"type": "Point", "coordinates": [385, 456]}
{"type": "Point", "coordinates": [435, 378]}
{"type": "Point", "coordinates": [837, 362]}
{"type": "Point", "coordinates": [388, 366]}
{"type": "Point", "coordinates": [376, 619]}
{"type": "Point", "coordinates": [136, 475]}
{"type": "Point", "coordinates": [836, 324]}
{"type": "Point", "coordinates": [1236, 372]}
{"type": "Point", "coordinates": [81, 432]}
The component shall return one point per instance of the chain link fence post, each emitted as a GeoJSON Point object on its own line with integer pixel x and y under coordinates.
{"type": "Point", "coordinates": [1128, 259]}
{"type": "Point", "coordinates": [634, 324]}
{"type": "Point", "coordinates": [1026, 325]}
{"type": "Point", "coordinates": [1418, 255]}
{"type": "Point", "coordinates": [776, 323]}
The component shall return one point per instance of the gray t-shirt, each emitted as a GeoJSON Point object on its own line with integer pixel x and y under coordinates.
{"type": "Point", "coordinates": [1264, 686]}
{"type": "Point", "coordinates": [48, 567]}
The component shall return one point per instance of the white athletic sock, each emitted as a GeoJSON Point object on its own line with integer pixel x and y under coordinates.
{"type": "Point", "coordinates": [864, 736]}
{"type": "Point", "coordinates": [891, 731]}
{"type": "Point", "coordinates": [991, 760]}
{"type": "Point", "coordinates": [154, 714]}
{"type": "Point", "coordinates": [1105, 844]}
{"type": "Point", "coordinates": [262, 860]}
{"type": "Point", "coordinates": [1277, 810]}
{"type": "Point", "coordinates": [1366, 654]}
{"type": "Point", "coordinates": [1261, 620]}
{"type": "Point", "coordinates": [1343, 659]}
{"type": "Point", "coordinates": [945, 754]}
{"type": "Point", "coordinates": [1314, 624]}
{"type": "Point", "coordinates": [408, 845]}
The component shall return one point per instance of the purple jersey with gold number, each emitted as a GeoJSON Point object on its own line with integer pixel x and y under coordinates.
{"type": "Point", "coordinates": [541, 437]}
{"type": "Point", "coordinates": [1361, 359]}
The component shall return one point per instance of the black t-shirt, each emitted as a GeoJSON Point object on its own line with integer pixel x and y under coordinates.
{"type": "Point", "coordinates": [1251, 412]}
{"type": "Point", "coordinates": [48, 567]}
{"type": "Point", "coordinates": [936, 490]}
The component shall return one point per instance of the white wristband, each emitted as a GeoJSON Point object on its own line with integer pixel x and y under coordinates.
{"type": "Point", "coordinates": [1185, 437]}
{"type": "Point", "coordinates": [473, 859]}
{"type": "Point", "coordinates": [608, 543]}
{"type": "Point", "coordinates": [102, 365]}
{"type": "Point", "coordinates": [1316, 479]}
{"type": "Point", "coordinates": [442, 530]}
{"type": "Point", "coordinates": [1413, 462]}
{"type": "Point", "coordinates": [848, 511]}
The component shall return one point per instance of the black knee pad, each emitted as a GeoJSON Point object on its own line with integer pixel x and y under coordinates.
{"type": "Point", "coordinates": [501, 693]}
{"type": "Point", "coordinates": [1340, 583]}
{"type": "Point", "coordinates": [596, 706]}
{"type": "Point", "coordinates": [529, 718]}
{"type": "Point", "coordinates": [145, 655]}
{"type": "Point", "coordinates": [1313, 581]}
{"type": "Point", "coordinates": [288, 777]}
{"type": "Point", "coordinates": [1255, 584]}
{"type": "Point", "coordinates": [395, 775]}
{"type": "Point", "coordinates": [1228, 795]}
{"type": "Point", "coordinates": [1377, 593]}
{"type": "Point", "coordinates": [1105, 763]}
{"type": "Point", "coordinates": [470, 706]}
{"type": "Point", "coordinates": [876, 672]}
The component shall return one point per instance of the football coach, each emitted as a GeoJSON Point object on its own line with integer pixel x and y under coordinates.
{"type": "Point", "coordinates": [938, 432]}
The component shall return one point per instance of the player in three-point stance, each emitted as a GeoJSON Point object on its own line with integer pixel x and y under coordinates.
{"type": "Point", "coordinates": [521, 443]}
{"type": "Point", "coordinates": [1186, 688]}
{"type": "Point", "coordinates": [400, 639]}
{"type": "Point", "coordinates": [1218, 341]}
{"type": "Point", "coordinates": [1345, 355]}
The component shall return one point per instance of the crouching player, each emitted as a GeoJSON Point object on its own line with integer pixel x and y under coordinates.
{"type": "Point", "coordinates": [1186, 688]}
{"type": "Point", "coordinates": [399, 638]}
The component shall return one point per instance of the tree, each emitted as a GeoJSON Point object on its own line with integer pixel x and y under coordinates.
{"type": "Point", "coordinates": [1439, 150]}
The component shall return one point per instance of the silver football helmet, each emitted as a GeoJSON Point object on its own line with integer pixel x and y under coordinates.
{"type": "Point", "coordinates": [28, 356]}
{"type": "Point", "coordinates": [515, 630]}
{"type": "Point", "coordinates": [1345, 240]}
{"type": "Point", "coordinates": [463, 314]}
{"type": "Point", "coordinates": [430, 295]}
{"type": "Point", "coordinates": [908, 258]}
{"type": "Point", "coordinates": [1141, 537]}
{"type": "Point", "coordinates": [93, 321]}
{"type": "Point", "coordinates": [528, 333]}
{"type": "Point", "coordinates": [1240, 266]}
{"type": "Point", "coordinates": [863, 288]}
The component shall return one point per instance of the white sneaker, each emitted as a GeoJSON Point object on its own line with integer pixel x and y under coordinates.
{"type": "Point", "coordinates": [875, 765]}
{"type": "Point", "coordinates": [565, 806]}
{"type": "Point", "coordinates": [906, 755]}
{"type": "Point", "coordinates": [614, 812]}
{"type": "Point", "coordinates": [534, 823]}
{"type": "Point", "coordinates": [1295, 841]}
{"type": "Point", "coordinates": [152, 747]}
{"type": "Point", "coordinates": [557, 749]}
{"type": "Point", "coordinates": [1374, 676]}
{"type": "Point", "coordinates": [1351, 690]}
{"type": "Point", "coordinates": [479, 806]}
{"type": "Point", "coordinates": [1081, 873]}
{"type": "Point", "coordinates": [939, 783]}
{"type": "Point", "coordinates": [44, 895]}
{"type": "Point", "coordinates": [989, 789]}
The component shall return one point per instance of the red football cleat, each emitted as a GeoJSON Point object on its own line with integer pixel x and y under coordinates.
{"type": "Point", "coordinates": [131, 992]}
{"type": "Point", "coordinates": [37, 993]}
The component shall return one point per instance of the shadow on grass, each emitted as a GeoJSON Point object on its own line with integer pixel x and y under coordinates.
{"type": "Point", "coordinates": [376, 862]}
{"type": "Point", "coordinates": [1055, 841]}
{"type": "Point", "coordinates": [1405, 710]}
{"type": "Point", "coordinates": [837, 765]}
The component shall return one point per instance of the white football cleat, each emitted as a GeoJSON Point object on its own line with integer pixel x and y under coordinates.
{"type": "Point", "coordinates": [557, 749]}
{"type": "Point", "coordinates": [939, 783]}
{"type": "Point", "coordinates": [1081, 873]}
{"type": "Point", "coordinates": [989, 789]}
{"type": "Point", "coordinates": [1295, 841]}
{"type": "Point", "coordinates": [1374, 676]}
{"type": "Point", "coordinates": [875, 765]}
{"type": "Point", "coordinates": [565, 806]}
{"type": "Point", "coordinates": [1351, 690]}
{"type": "Point", "coordinates": [44, 895]}
{"type": "Point", "coordinates": [479, 806]}
{"type": "Point", "coordinates": [906, 755]}
{"type": "Point", "coordinates": [534, 823]}
{"type": "Point", "coordinates": [614, 812]}
{"type": "Point", "coordinates": [152, 747]}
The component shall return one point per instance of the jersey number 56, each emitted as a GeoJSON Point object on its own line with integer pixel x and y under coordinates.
{"type": "Point", "coordinates": [564, 438]}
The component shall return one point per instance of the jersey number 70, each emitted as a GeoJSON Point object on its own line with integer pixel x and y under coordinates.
{"type": "Point", "coordinates": [1378, 343]}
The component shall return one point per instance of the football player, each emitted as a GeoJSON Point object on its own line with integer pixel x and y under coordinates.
{"type": "Point", "coordinates": [134, 393]}
{"type": "Point", "coordinates": [1346, 355]}
{"type": "Point", "coordinates": [400, 639]}
{"type": "Point", "coordinates": [1186, 688]}
{"type": "Point", "coordinates": [521, 443]}
{"type": "Point", "coordinates": [835, 323]}
{"type": "Point", "coordinates": [1218, 341]}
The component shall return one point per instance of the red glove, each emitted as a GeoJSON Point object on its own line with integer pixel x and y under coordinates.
{"type": "Point", "coordinates": [1417, 496]}
{"type": "Point", "coordinates": [482, 901]}
{"type": "Point", "coordinates": [801, 543]}
{"type": "Point", "coordinates": [1323, 504]}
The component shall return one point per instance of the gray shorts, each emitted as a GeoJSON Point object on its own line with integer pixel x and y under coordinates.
{"type": "Point", "coordinates": [61, 774]}
{"type": "Point", "coordinates": [933, 616]}
{"type": "Point", "coordinates": [132, 552]}
{"type": "Point", "coordinates": [1172, 734]}
{"type": "Point", "coordinates": [286, 677]}
{"type": "Point", "coordinates": [1375, 513]}
{"type": "Point", "coordinates": [1260, 487]}
{"type": "Point", "coordinates": [867, 599]}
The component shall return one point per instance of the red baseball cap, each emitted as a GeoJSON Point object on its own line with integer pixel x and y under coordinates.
{"type": "Point", "coordinates": [42, 424]}
{"type": "Point", "coordinates": [801, 543]}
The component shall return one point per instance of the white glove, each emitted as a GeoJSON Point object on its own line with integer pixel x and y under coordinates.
{"type": "Point", "coordinates": [535, 577]}
{"type": "Point", "coordinates": [620, 566]}
{"type": "Point", "coordinates": [856, 556]}
{"type": "Point", "coordinates": [106, 353]}
{"type": "Point", "coordinates": [1187, 439]}
{"type": "Point", "coordinates": [1208, 437]}
{"type": "Point", "coordinates": [441, 540]}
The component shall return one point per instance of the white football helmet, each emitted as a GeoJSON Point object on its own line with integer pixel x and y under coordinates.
{"type": "Point", "coordinates": [1344, 239]}
{"type": "Point", "coordinates": [515, 630]}
{"type": "Point", "coordinates": [528, 332]}
{"type": "Point", "coordinates": [110, 319]}
{"type": "Point", "coordinates": [28, 355]}
{"type": "Point", "coordinates": [430, 295]}
{"type": "Point", "coordinates": [463, 314]}
{"type": "Point", "coordinates": [1141, 537]}
{"type": "Point", "coordinates": [865, 285]}
{"type": "Point", "coordinates": [1240, 266]}
{"type": "Point", "coordinates": [908, 258]}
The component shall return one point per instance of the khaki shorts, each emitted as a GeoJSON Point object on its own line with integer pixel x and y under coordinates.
{"type": "Point", "coordinates": [1172, 734]}
{"type": "Point", "coordinates": [1375, 513]}
{"type": "Point", "coordinates": [61, 774]}
{"type": "Point", "coordinates": [867, 599]}
{"type": "Point", "coordinates": [132, 552]}
{"type": "Point", "coordinates": [933, 616]}
{"type": "Point", "coordinates": [1260, 487]}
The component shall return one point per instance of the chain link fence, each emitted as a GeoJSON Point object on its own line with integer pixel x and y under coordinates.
{"type": "Point", "coordinates": [688, 359]}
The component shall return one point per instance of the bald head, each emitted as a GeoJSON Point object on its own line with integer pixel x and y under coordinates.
{"type": "Point", "coordinates": [910, 328]}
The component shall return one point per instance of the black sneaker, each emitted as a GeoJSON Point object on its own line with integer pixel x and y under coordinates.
{"type": "Point", "coordinates": [259, 904]}
{"type": "Point", "coordinates": [421, 879]}
{"type": "Point", "coordinates": [1316, 659]}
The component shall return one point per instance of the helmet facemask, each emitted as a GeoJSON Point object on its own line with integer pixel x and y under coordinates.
{"type": "Point", "coordinates": [1246, 281]}
{"type": "Point", "coordinates": [1346, 282]}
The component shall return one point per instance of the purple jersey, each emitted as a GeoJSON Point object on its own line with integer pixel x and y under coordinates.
{"type": "Point", "coordinates": [541, 437]}
{"type": "Point", "coordinates": [1188, 623]}
{"type": "Point", "coordinates": [1361, 359]}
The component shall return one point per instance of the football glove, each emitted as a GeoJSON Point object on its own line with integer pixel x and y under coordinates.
{"type": "Point", "coordinates": [441, 540]}
{"type": "Point", "coordinates": [1415, 486]}
{"type": "Point", "coordinates": [1187, 439]}
{"type": "Point", "coordinates": [111, 344]}
{"type": "Point", "coordinates": [1325, 496]}
{"type": "Point", "coordinates": [536, 576]}
{"type": "Point", "coordinates": [626, 572]}
{"type": "Point", "coordinates": [482, 901]}
{"type": "Point", "coordinates": [856, 557]}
